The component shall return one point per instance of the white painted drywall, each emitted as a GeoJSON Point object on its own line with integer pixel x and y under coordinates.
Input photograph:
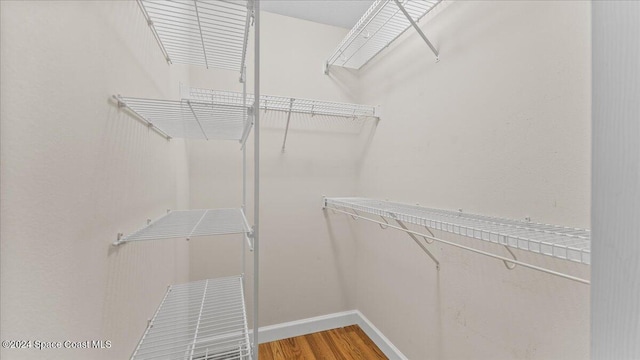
{"type": "Point", "coordinates": [76, 170]}
{"type": "Point", "coordinates": [615, 292]}
{"type": "Point", "coordinates": [500, 126]}
{"type": "Point", "coordinates": [307, 264]}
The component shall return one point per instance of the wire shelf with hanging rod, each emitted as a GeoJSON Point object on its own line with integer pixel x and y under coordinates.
{"type": "Point", "coordinates": [565, 243]}
{"type": "Point", "coordinates": [381, 24]}
{"type": "Point", "coordinates": [191, 223]}
{"type": "Point", "coordinates": [201, 320]}
{"type": "Point", "coordinates": [289, 104]}
{"type": "Point", "coordinates": [223, 118]}
{"type": "Point", "coordinates": [198, 32]}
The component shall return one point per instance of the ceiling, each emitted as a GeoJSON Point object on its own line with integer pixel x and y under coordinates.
{"type": "Point", "coordinates": [342, 13]}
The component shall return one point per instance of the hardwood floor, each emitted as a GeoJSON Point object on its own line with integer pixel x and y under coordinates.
{"type": "Point", "coordinates": [348, 343]}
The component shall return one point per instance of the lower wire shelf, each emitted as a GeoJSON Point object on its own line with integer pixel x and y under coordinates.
{"type": "Point", "coordinates": [556, 241]}
{"type": "Point", "coordinates": [190, 223]}
{"type": "Point", "coordinates": [201, 320]}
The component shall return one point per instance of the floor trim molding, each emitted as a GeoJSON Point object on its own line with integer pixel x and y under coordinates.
{"type": "Point", "coordinates": [328, 322]}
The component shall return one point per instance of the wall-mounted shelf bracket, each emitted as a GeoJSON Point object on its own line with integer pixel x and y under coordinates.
{"type": "Point", "coordinates": [286, 130]}
{"type": "Point", "coordinates": [197, 120]}
{"type": "Point", "coordinates": [123, 105]}
{"type": "Point", "coordinates": [418, 30]}
{"type": "Point", "coordinates": [510, 265]}
{"type": "Point", "coordinates": [422, 246]}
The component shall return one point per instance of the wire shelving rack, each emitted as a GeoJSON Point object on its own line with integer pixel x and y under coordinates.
{"type": "Point", "coordinates": [199, 320]}
{"type": "Point", "coordinates": [196, 32]}
{"type": "Point", "coordinates": [380, 25]}
{"type": "Point", "coordinates": [204, 319]}
{"type": "Point", "coordinates": [219, 119]}
{"type": "Point", "coordinates": [192, 223]}
{"type": "Point", "coordinates": [560, 242]}
{"type": "Point", "coordinates": [291, 104]}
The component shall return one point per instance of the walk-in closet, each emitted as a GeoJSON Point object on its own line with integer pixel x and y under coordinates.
{"type": "Point", "coordinates": [319, 179]}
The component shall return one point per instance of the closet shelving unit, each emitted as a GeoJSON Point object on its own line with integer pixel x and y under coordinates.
{"type": "Point", "coordinates": [206, 319]}
{"type": "Point", "coordinates": [380, 25]}
{"type": "Point", "coordinates": [292, 105]}
{"type": "Point", "coordinates": [223, 119]}
{"type": "Point", "coordinates": [560, 242]}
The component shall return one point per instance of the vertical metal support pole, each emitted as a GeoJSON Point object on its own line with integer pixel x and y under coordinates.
{"type": "Point", "coordinates": [244, 171]}
{"type": "Point", "coordinates": [256, 191]}
{"type": "Point", "coordinates": [417, 28]}
{"type": "Point", "coordinates": [286, 130]}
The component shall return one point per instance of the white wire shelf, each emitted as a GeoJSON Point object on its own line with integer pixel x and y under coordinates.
{"type": "Point", "coordinates": [560, 242]}
{"type": "Point", "coordinates": [192, 223]}
{"type": "Point", "coordinates": [381, 24]}
{"type": "Point", "coordinates": [289, 104]}
{"type": "Point", "coordinates": [204, 320]}
{"type": "Point", "coordinates": [210, 33]}
{"type": "Point", "coordinates": [222, 118]}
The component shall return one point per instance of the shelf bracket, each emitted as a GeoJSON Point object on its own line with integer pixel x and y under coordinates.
{"type": "Point", "coordinates": [248, 236]}
{"type": "Point", "coordinates": [417, 28]}
{"type": "Point", "coordinates": [119, 240]}
{"type": "Point", "coordinates": [422, 246]}
{"type": "Point", "coordinates": [204, 49]}
{"type": "Point", "coordinates": [123, 105]}
{"type": "Point", "coordinates": [247, 127]}
{"type": "Point", "coordinates": [385, 221]}
{"type": "Point", "coordinates": [286, 130]}
{"type": "Point", "coordinates": [198, 120]}
{"type": "Point", "coordinates": [509, 265]}
{"type": "Point", "coordinates": [429, 241]}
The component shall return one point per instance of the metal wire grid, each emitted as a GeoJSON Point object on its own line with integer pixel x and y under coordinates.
{"type": "Point", "coordinates": [379, 26]}
{"type": "Point", "coordinates": [561, 242]}
{"type": "Point", "coordinates": [288, 104]}
{"type": "Point", "coordinates": [199, 320]}
{"type": "Point", "coordinates": [190, 223]}
{"type": "Point", "coordinates": [224, 119]}
{"type": "Point", "coordinates": [210, 33]}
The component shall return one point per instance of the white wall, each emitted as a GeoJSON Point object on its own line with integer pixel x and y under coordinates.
{"type": "Point", "coordinates": [615, 312]}
{"type": "Point", "coordinates": [307, 267]}
{"type": "Point", "coordinates": [500, 126]}
{"type": "Point", "coordinates": [76, 171]}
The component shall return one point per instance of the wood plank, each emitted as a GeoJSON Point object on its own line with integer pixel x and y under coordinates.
{"type": "Point", "coordinates": [364, 343]}
{"type": "Point", "coordinates": [349, 343]}
{"type": "Point", "coordinates": [321, 348]}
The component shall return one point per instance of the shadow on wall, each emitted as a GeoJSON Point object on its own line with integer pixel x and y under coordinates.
{"type": "Point", "coordinates": [137, 274]}
{"type": "Point", "coordinates": [352, 133]}
{"type": "Point", "coordinates": [346, 278]}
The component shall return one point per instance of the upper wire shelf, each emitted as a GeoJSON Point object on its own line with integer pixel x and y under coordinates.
{"type": "Point", "coordinates": [290, 104]}
{"type": "Point", "coordinates": [201, 32]}
{"type": "Point", "coordinates": [381, 24]}
{"type": "Point", "coordinates": [560, 242]}
{"type": "Point", "coordinates": [199, 320]}
{"type": "Point", "coordinates": [191, 223]}
{"type": "Point", "coordinates": [220, 118]}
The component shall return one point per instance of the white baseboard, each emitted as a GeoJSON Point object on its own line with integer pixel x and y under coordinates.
{"type": "Point", "coordinates": [328, 322]}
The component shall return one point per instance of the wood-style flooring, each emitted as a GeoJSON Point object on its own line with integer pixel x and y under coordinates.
{"type": "Point", "coordinates": [348, 343]}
